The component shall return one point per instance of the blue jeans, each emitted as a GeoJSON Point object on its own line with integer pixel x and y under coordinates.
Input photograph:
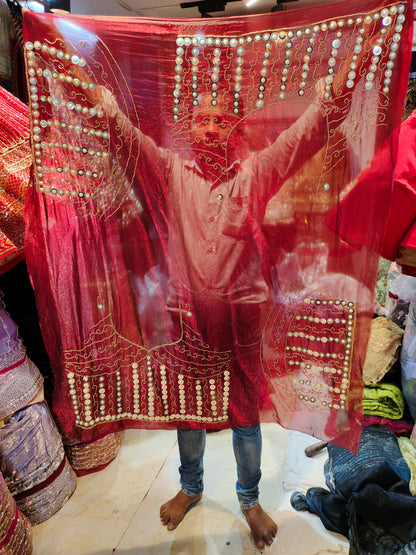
{"type": "Point", "coordinates": [247, 452]}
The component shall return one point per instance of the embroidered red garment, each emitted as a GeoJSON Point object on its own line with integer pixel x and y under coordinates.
{"type": "Point", "coordinates": [393, 169]}
{"type": "Point", "coordinates": [185, 272]}
{"type": "Point", "coordinates": [15, 167]}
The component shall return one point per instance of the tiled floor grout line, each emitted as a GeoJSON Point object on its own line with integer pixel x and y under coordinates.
{"type": "Point", "coordinates": [174, 445]}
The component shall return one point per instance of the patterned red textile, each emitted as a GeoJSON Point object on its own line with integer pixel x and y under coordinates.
{"type": "Point", "coordinates": [15, 167]}
{"type": "Point", "coordinates": [393, 168]}
{"type": "Point", "coordinates": [177, 238]}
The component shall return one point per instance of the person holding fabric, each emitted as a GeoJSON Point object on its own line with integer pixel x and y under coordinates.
{"type": "Point", "coordinates": [181, 325]}
{"type": "Point", "coordinates": [216, 262]}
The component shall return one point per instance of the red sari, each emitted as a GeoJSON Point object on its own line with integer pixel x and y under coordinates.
{"type": "Point", "coordinates": [192, 281]}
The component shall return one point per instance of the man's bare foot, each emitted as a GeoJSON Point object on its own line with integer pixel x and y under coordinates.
{"type": "Point", "coordinates": [173, 511]}
{"type": "Point", "coordinates": [263, 529]}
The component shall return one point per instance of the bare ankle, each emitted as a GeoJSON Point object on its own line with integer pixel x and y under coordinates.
{"type": "Point", "coordinates": [173, 511]}
{"type": "Point", "coordinates": [262, 527]}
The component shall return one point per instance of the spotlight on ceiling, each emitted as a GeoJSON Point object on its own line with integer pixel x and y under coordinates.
{"type": "Point", "coordinates": [280, 7]}
{"type": "Point", "coordinates": [249, 3]}
{"type": "Point", "coordinates": [205, 7]}
{"type": "Point", "coordinates": [56, 6]}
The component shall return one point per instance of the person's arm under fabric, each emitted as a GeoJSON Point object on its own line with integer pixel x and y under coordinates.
{"type": "Point", "coordinates": [296, 145]}
{"type": "Point", "coordinates": [151, 163]}
{"type": "Point", "coordinates": [407, 252]}
{"type": "Point", "coordinates": [309, 133]}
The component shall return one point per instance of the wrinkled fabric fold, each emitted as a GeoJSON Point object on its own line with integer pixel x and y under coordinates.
{"type": "Point", "coordinates": [368, 499]}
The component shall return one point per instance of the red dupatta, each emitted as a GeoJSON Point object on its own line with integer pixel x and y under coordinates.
{"type": "Point", "coordinates": [186, 274]}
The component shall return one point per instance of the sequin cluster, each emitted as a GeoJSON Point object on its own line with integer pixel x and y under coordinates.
{"type": "Point", "coordinates": [64, 121]}
{"type": "Point", "coordinates": [192, 49]}
{"type": "Point", "coordinates": [154, 385]}
{"type": "Point", "coordinates": [319, 351]}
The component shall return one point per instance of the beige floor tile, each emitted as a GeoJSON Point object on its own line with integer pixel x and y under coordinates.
{"type": "Point", "coordinates": [117, 510]}
{"type": "Point", "coordinates": [95, 518]}
{"type": "Point", "coordinates": [215, 525]}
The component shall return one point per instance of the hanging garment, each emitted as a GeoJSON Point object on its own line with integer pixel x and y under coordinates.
{"type": "Point", "coordinates": [392, 169]}
{"type": "Point", "coordinates": [15, 167]}
{"type": "Point", "coordinates": [184, 271]}
{"type": "Point", "coordinates": [15, 528]}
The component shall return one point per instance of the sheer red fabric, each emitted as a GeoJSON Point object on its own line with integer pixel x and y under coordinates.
{"type": "Point", "coordinates": [178, 237]}
{"type": "Point", "coordinates": [392, 168]}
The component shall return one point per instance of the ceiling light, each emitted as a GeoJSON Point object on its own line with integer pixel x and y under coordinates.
{"type": "Point", "coordinates": [279, 7]}
{"type": "Point", "coordinates": [207, 6]}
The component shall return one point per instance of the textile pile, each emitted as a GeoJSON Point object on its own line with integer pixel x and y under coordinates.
{"type": "Point", "coordinates": [371, 495]}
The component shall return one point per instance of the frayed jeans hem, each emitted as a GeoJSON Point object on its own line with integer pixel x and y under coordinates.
{"type": "Point", "coordinates": [190, 493]}
{"type": "Point", "coordinates": [246, 506]}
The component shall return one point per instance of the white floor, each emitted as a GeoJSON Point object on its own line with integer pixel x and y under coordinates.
{"type": "Point", "coordinates": [117, 510]}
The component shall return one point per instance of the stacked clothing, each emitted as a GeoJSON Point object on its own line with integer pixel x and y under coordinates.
{"type": "Point", "coordinates": [371, 496]}
{"type": "Point", "coordinates": [32, 458]}
{"type": "Point", "coordinates": [86, 458]}
{"type": "Point", "coordinates": [20, 379]}
{"type": "Point", "coordinates": [15, 528]}
{"type": "Point", "coordinates": [34, 464]}
{"type": "Point", "coordinates": [384, 399]}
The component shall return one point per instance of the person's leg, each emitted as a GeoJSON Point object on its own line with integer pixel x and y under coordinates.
{"type": "Point", "coordinates": [247, 443]}
{"type": "Point", "coordinates": [191, 445]}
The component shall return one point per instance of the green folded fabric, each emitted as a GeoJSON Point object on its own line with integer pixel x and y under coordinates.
{"type": "Point", "coordinates": [408, 451]}
{"type": "Point", "coordinates": [383, 399]}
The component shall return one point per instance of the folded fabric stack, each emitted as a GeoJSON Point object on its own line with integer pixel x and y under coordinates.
{"type": "Point", "coordinates": [383, 349]}
{"type": "Point", "coordinates": [15, 528]}
{"type": "Point", "coordinates": [20, 379]}
{"type": "Point", "coordinates": [34, 464]}
{"type": "Point", "coordinates": [32, 456]}
{"type": "Point", "coordinates": [93, 456]}
{"type": "Point", "coordinates": [401, 426]}
{"type": "Point", "coordinates": [383, 399]}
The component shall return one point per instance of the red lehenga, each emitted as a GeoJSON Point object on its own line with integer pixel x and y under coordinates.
{"type": "Point", "coordinates": [194, 281]}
